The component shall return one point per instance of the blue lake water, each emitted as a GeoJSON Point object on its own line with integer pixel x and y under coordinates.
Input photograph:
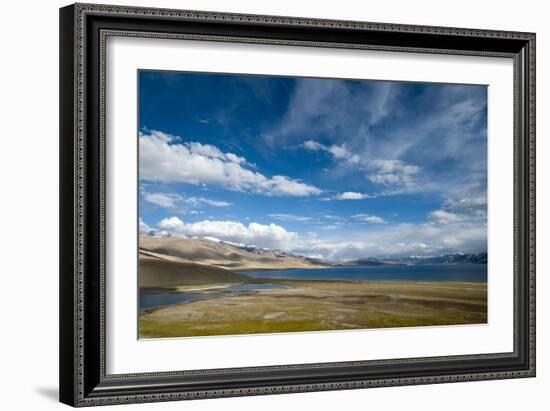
{"type": "Point", "coordinates": [152, 298]}
{"type": "Point", "coordinates": [440, 272]}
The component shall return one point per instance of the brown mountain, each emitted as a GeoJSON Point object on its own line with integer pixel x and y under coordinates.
{"type": "Point", "coordinates": [224, 255]}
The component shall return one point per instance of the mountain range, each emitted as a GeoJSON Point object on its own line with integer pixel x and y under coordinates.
{"type": "Point", "coordinates": [238, 257]}
{"type": "Point", "coordinates": [457, 258]}
{"type": "Point", "coordinates": [224, 255]}
{"type": "Point", "coordinates": [168, 261]}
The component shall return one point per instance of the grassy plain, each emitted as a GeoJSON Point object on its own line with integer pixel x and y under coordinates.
{"type": "Point", "coordinates": [322, 305]}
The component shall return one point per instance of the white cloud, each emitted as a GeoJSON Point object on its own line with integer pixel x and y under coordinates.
{"type": "Point", "coordinates": [388, 172]}
{"type": "Point", "coordinates": [444, 217]}
{"type": "Point", "coordinates": [311, 109]}
{"type": "Point", "coordinates": [174, 200]}
{"type": "Point", "coordinates": [338, 151]}
{"type": "Point", "coordinates": [368, 218]}
{"type": "Point", "coordinates": [259, 235]}
{"type": "Point", "coordinates": [160, 199]}
{"type": "Point", "coordinates": [451, 129]}
{"type": "Point", "coordinates": [400, 240]}
{"type": "Point", "coordinates": [468, 204]}
{"type": "Point", "coordinates": [314, 145]}
{"type": "Point", "coordinates": [284, 186]}
{"type": "Point", "coordinates": [163, 159]}
{"type": "Point", "coordinates": [214, 203]}
{"type": "Point", "coordinates": [392, 172]}
{"type": "Point", "coordinates": [351, 195]}
{"type": "Point", "coordinates": [235, 158]}
{"type": "Point", "coordinates": [144, 229]}
{"type": "Point", "coordinates": [289, 217]}
{"type": "Point", "coordinates": [427, 239]}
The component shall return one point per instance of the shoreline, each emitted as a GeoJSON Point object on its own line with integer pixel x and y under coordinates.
{"type": "Point", "coordinates": [263, 280]}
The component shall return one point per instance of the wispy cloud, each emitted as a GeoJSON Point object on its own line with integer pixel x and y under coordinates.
{"type": "Point", "coordinates": [399, 139]}
{"type": "Point", "coordinates": [176, 200]}
{"type": "Point", "coordinates": [467, 203]}
{"type": "Point", "coordinates": [289, 217]}
{"type": "Point", "coordinates": [161, 199]}
{"type": "Point", "coordinates": [368, 218]}
{"type": "Point", "coordinates": [339, 152]}
{"type": "Point", "coordinates": [444, 217]}
{"type": "Point", "coordinates": [312, 109]}
{"type": "Point", "coordinates": [331, 227]}
{"type": "Point", "coordinates": [394, 173]}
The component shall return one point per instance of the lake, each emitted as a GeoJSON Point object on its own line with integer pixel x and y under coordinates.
{"type": "Point", "coordinates": [152, 298]}
{"type": "Point", "coordinates": [438, 272]}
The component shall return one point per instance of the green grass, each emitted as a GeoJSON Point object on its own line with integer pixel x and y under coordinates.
{"type": "Point", "coordinates": [153, 329]}
{"type": "Point", "coordinates": [318, 306]}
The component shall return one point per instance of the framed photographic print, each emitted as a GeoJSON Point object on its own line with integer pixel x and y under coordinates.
{"type": "Point", "coordinates": [261, 204]}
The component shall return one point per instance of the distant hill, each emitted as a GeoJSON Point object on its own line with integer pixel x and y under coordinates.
{"type": "Point", "coordinates": [167, 261]}
{"type": "Point", "coordinates": [458, 258]}
{"type": "Point", "coordinates": [375, 262]}
{"type": "Point", "coordinates": [224, 255]}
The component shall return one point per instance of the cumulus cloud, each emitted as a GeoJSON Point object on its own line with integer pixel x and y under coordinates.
{"type": "Point", "coordinates": [285, 186]}
{"type": "Point", "coordinates": [259, 235]}
{"type": "Point", "coordinates": [163, 158]}
{"type": "Point", "coordinates": [368, 218]}
{"type": "Point", "coordinates": [144, 229]}
{"type": "Point", "coordinates": [351, 195]}
{"type": "Point", "coordinates": [400, 240]}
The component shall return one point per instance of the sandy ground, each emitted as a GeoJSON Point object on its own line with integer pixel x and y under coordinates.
{"type": "Point", "coordinates": [323, 305]}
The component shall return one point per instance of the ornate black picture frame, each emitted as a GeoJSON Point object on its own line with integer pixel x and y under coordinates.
{"type": "Point", "coordinates": [83, 31]}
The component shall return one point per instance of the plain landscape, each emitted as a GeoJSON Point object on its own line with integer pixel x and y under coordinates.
{"type": "Point", "coordinates": [214, 301]}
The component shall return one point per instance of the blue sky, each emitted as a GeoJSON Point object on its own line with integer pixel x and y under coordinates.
{"type": "Point", "coordinates": [336, 169]}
